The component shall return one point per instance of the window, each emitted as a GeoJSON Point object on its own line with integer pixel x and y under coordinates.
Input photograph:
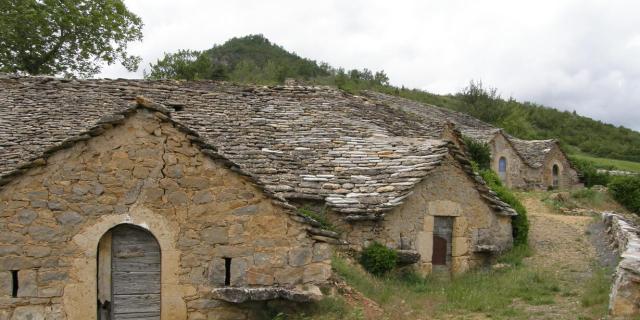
{"type": "Point", "coordinates": [14, 283]}
{"type": "Point", "coordinates": [502, 168]}
{"type": "Point", "coordinates": [227, 271]}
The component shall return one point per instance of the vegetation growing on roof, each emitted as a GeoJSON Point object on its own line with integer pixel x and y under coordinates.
{"type": "Point", "coordinates": [317, 216]}
{"type": "Point", "coordinates": [520, 223]}
{"type": "Point", "coordinates": [479, 152]}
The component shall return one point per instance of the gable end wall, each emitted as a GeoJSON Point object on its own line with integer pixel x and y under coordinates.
{"type": "Point", "coordinates": [145, 172]}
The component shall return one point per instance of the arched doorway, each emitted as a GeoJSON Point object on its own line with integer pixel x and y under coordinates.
{"type": "Point", "coordinates": [555, 175]}
{"type": "Point", "coordinates": [502, 168]}
{"type": "Point", "coordinates": [128, 274]}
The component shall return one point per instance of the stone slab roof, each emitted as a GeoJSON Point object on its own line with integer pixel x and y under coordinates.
{"type": "Point", "coordinates": [361, 157]}
{"type": "Point", "coordinates": [431, 114]}
{"type": "Point", "coordinates": [532, 152]}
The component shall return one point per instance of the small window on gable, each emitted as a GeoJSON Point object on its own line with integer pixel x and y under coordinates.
{"type": "Point", "coordinates": [227, 271]}
{"type": "Point", "coordinates": [14, 283]}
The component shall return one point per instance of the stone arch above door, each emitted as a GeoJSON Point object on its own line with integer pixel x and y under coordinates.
{"type": "Point", "coordinates": [80, 292]}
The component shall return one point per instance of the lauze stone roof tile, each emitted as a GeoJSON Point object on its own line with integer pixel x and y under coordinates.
{"type": "Point", "coordinates": [361, 157]}
{"type": "Point", "coordinates": [532, 152]}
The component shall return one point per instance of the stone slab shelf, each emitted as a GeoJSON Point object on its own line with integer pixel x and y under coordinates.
{"type": "Point", "coordinates": [244, 294]}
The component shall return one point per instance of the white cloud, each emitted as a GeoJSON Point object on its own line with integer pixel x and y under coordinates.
{"type": "Point", "coordinates": [573, 55]}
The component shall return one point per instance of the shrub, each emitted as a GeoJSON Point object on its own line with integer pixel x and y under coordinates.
{"type": "Point", "coordinates": [378, 259]}
{"type": "Point", "coordinates": [626, 190]}
{"type": "Point", "coordinates": [520, 223]}
{"type": "Point", "coordinates": [589, 171]}
{"type": "Point", "coordinates": [479, 152]}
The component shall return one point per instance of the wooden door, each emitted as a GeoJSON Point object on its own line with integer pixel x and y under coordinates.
{"type": "Point", "coordinates": [439, 251]}
{"type": "Point", "coordinates": [135, 274]}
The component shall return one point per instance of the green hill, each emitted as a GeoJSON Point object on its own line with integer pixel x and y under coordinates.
{"type": "Point", "coordinates": [254, 59]}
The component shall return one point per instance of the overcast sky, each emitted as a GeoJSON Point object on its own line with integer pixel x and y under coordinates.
{"type": "Point", "coordinates": [573, 55]}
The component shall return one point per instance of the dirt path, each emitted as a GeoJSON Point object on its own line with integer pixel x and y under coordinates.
{"type": "Point", "coordinates": [562, 248]}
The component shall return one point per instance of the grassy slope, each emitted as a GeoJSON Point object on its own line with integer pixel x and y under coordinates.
{"type": "Point", "coordinates": [610, 163]}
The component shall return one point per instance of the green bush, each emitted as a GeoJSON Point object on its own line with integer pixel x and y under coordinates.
{"type": "Point", "coordinates": [626, 190]}
{"type": "Point", "coordinates": [589, 171]}
{"type": "Point", "coordinates": [520, 223]}
{"type": "Point", "coordinates": [378, 259]}
{"type": "Point", "coordinates": [479, 152]}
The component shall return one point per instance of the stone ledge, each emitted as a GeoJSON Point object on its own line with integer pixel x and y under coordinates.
{"type": "Point", "coordinates": [486, 248]}
{"type": "Point", "coordinates": [244, 294]}
{"type": "Point", "coordinates": [407, 257]}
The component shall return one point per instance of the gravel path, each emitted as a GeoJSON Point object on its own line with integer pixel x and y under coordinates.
{"type": "Point", "coordinates": [562, 247]}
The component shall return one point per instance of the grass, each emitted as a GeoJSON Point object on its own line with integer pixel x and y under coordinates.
{"type": "Point", "coordinates": [587, 198]}
{"type": "Point", "coordinates": [491, 292]}
{"type": "Point", "coordinates": [319, 217]}
{"type": "Point", "coordinates": [329, 308]}
{"type": "Point", "coordinates": [596, 291]}
{"type": "Point", "coordinates": [606, 163]}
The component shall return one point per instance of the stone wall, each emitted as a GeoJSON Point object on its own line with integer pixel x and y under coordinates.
{"type": "Point", "coordinates": [500, 147]}
{"type": "Point", "coordinates": [446, 191]}
{"type": "Point", "coordinates": [625, 293]}
{"type": "Point", "coordinates": [146, 173]}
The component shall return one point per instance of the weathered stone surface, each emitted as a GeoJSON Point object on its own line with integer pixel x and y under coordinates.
{"type": "Point", "coordinates": [69, 218]}
{"type": "Point", "coordinates": [215, 235]}
{"type": "Point", "coordinates": [37, 251]}
{"type": "Point", "coordinates": [5, 283]}
{"type": "Point", "coordinates": [43, 233]}
{"type": "Point", "coordinates": [244, 211]}
{"type": "Point", "coordinates": [321, 252]}
{"type": "Point", "coordinates": [27, 216]}
{"type": "Point", "coordinates": [203, 304]}
{"type": "Point", "coordinates": [9, 250]}
{"type": "Point", "coordinates": [202, 197]}
{"type": "Point", "coordinates": [29, 313]}
{"type": "Point", "coordinates": [300, 256]}
{"type": "Point", "coordinates": [28, 283]}
{"type": "Point", "coordinates": [316, 273]}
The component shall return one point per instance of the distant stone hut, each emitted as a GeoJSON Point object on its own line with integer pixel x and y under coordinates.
{"type": "Point", "coordinates": [181, 200]}
{"type": "Point", "coordinates": [523, 164]}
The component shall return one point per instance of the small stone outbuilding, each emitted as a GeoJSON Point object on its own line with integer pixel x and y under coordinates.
{"type": "Point", "coordinates": [522, 164]}
{"type": "Point", "coordinates": [181, 200]}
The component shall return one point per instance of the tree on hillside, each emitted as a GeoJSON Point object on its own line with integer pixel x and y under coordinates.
{"type": "Point", "coordinates": [66, 36]}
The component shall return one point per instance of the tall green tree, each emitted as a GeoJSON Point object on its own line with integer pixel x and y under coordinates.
{"type": "Point", "coordinates": [66, 37]}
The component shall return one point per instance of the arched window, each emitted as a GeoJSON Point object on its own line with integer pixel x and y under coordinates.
{"type": "Point", "coordinates": [555, 172]}
{"type": "Point", "coordinates": [502, 168]}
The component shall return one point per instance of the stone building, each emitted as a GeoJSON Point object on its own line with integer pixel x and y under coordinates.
{"type": "Point", "coordinates": [523, 164]}
{"type": "Point", "coordinates": [181, 200]}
